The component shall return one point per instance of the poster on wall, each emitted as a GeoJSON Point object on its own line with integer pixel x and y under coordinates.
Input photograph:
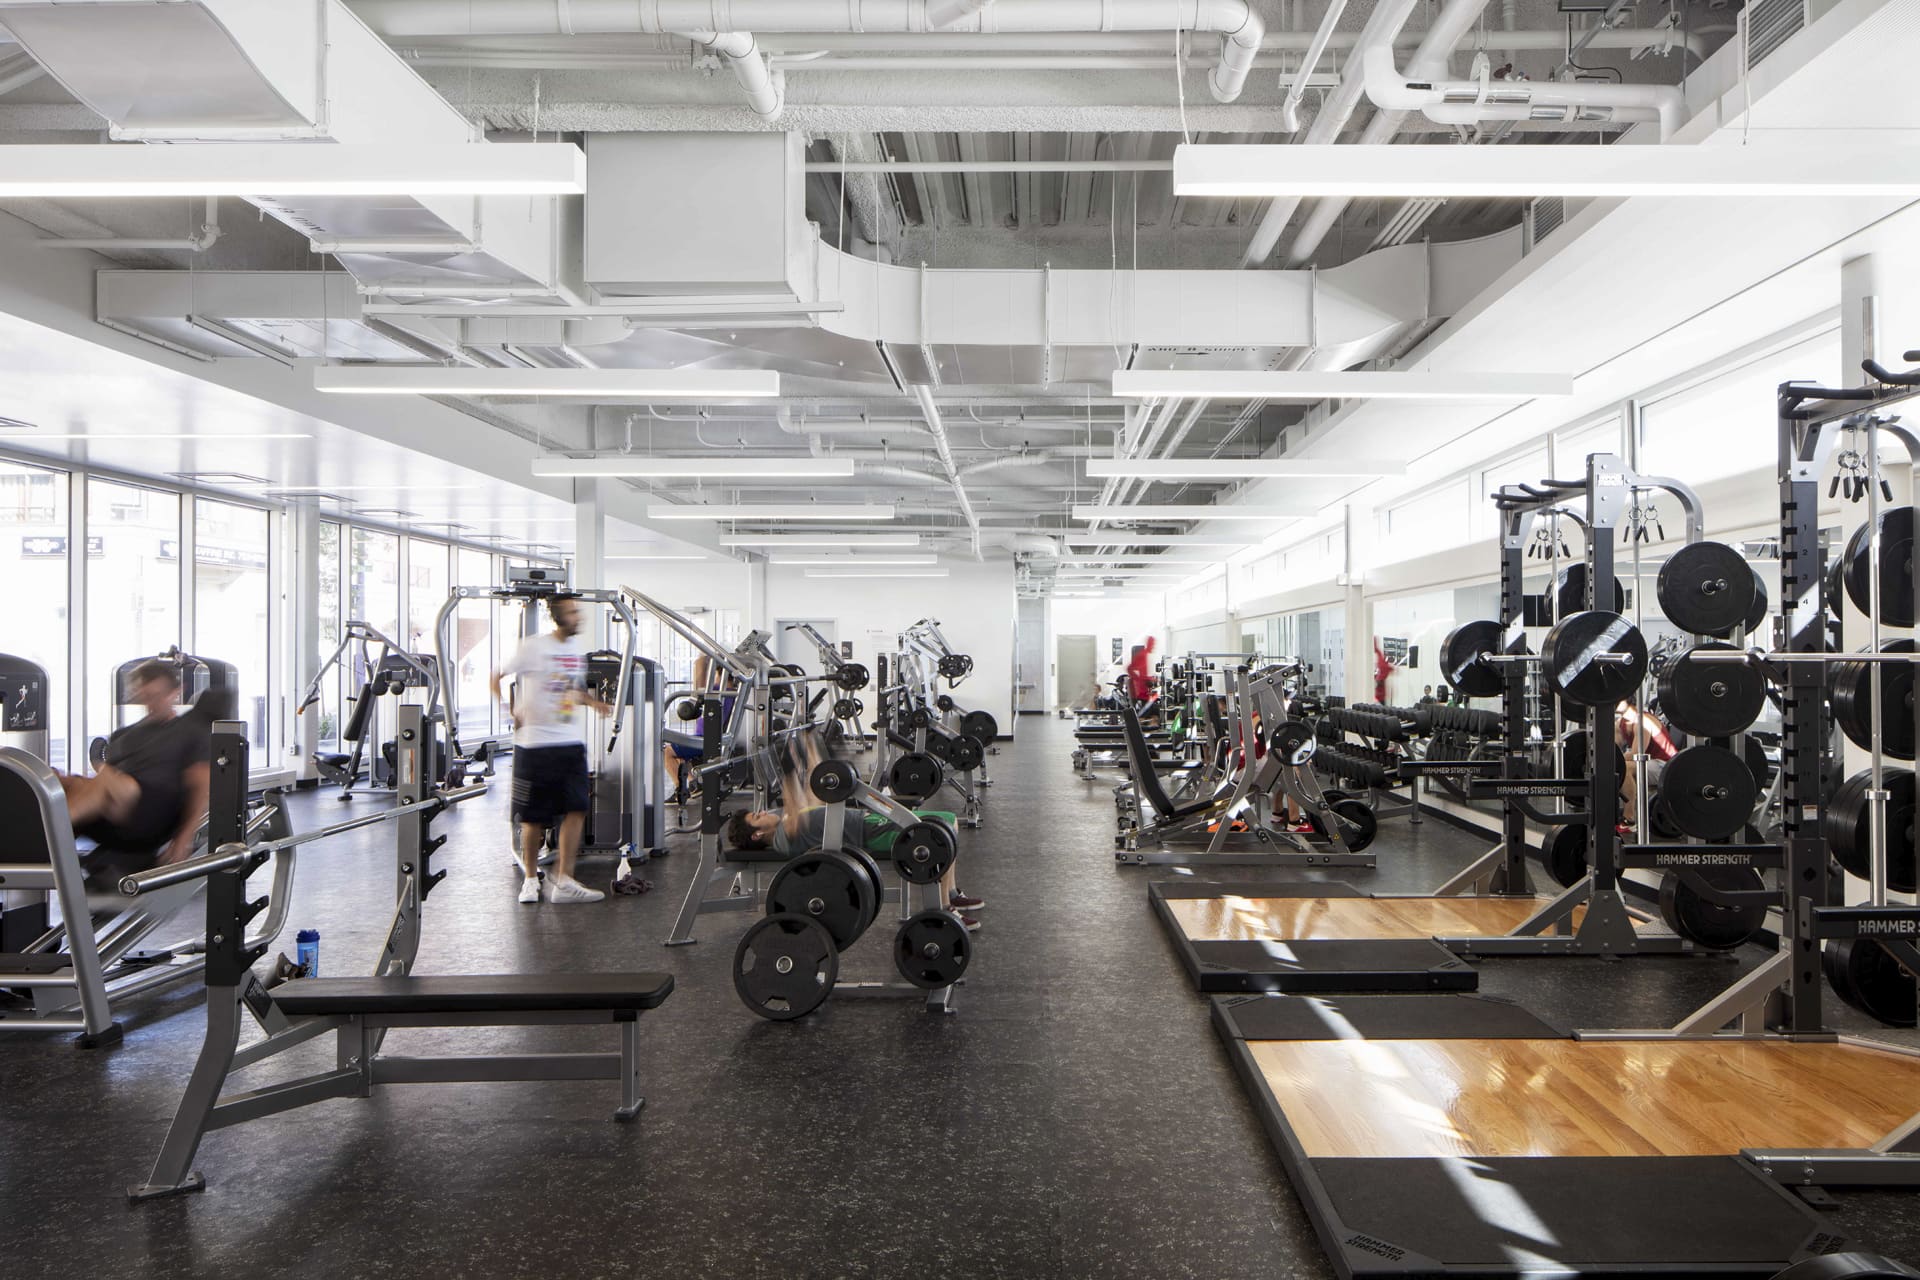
{"type": "Point", "coordinates": [1395, 647]}
{"type": "Point", "coordinates": [1119, 648]}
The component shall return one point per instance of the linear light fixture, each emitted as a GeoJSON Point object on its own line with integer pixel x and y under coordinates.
{"type": "Point", "coordinates": [1409, 172]}
{"type": "Point", "coordinates": [1199, 511]}
{"type": "Point", "coordinates": [650, 557]}
{"type": "Point", "coordinates": [292, 169]}
{"type": "Point", "coordinates": [876, 573]}
{"type": "Point", "coordinates": [169, 435]}
{"type": "Point", "coordinates": [1237, 469]}
{"type": "Point", "coordinates": [1122, 538]}
{"type": "Point", "coordinates": [719, 466]}
{"type": "Point", "coordinates": [769, 511]}
{"type": "Point", "coordinates": [1302, 384]}
{"type": "Point", "coordinates": [823, 540]}
{"type": "Point", "coordinates": [852, 562]}
{"type": "Point", "coordinates": [391, 487]}
{"type": "Point", "coordinates": [434, 380]}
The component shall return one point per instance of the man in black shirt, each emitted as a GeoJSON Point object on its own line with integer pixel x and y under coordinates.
{"type": "Point", "coordinates": [151, 791]}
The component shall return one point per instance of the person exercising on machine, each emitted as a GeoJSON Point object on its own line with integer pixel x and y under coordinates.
{"type": "Point", "coordinates": [800, 825]}
{"type": "Point", "coordinates": [151, 790]}
{"type": "Point", "coordinates": [550, 749]}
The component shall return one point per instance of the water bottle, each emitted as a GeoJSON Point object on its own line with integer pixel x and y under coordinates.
{"type": "Point", "coordinates": [306, 952]}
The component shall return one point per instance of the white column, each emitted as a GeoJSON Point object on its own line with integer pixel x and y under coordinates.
{"type": "Point", "coordinates": [302, 578]}
{"type": "Point", "coordinates": [1360, 526]}
{"type": "Point", "coordinates": [590, 549]}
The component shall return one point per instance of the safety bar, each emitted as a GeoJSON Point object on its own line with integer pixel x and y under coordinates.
{"type": "Point", "coordinates": [229, 856]}
{"type": "Point", "coordinates": [363, 632]}
{"type": "Point", "coordinates": [1732, 657]}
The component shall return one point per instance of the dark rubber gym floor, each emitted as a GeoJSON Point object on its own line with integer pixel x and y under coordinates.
{"type": "Point", "coordinates": [1077, 1117]}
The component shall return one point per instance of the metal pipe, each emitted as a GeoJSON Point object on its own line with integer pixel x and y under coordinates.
{"type": "Point", "coordinates": [924, 394]}
{"type": "Point", "coordinates": [1290, 108]}
{"type": "Point", "coordinates": [200, 242]}
{"type": "Point", "coordinates": [990, 166]}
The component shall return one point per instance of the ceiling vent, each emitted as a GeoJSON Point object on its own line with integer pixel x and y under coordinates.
{"type": "Point", "coordinates": [1768, 24]}
{"type": "Point", "coordinates": [1544, 216]}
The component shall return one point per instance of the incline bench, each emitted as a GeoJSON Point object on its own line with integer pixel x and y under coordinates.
{"type": "Point", "coordinates": [360, 1011]}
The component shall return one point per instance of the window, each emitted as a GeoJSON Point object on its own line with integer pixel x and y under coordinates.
{"type": "Point", "coordinates": [373, 581]}
{"type": "Point", "coordinates": [474, 655]}
{"type": "Point", "coordinates": [1727, 425]}
{"type": "Point", "coordinates": [133, 589]}
{"type": "Point", "coordinates": [327, 608]}
{"type": "Point", "coordinates": [1432, 522]}
{"type": "Point", "coordinates": [33, 551]}
{"type": "Point", "coordinates": [426, 592]}
{"type": "Point", "coordinates": [232, 603]}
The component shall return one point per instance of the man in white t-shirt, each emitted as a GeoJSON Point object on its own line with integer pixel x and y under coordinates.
{"type": "Point", "coordinates": [550, 749]}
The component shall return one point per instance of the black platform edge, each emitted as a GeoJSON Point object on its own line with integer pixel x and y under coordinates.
{"type": "Point", "coordinates": [1187, 889]}
{"type": "Point", "coordinates": [1318, 966]}
{"type": "Point", "coordinates": [1449, 1016]}
{"type": "Point", "coordinates": [1767, 1211]}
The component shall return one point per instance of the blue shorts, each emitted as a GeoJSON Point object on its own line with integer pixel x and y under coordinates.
{"type": "Point", "coordinates": [549, 783]}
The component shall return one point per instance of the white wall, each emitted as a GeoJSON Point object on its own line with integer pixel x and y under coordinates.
{"type": "Point", "coordinates": [1130, 621]}
{"type": "Point", "coordinates": [974, 606]}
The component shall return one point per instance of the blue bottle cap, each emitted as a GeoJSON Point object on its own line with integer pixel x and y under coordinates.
{"type": "Point", "coordinates": [307, 935]}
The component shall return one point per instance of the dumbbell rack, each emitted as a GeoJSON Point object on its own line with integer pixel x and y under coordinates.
{"type": "Point", "coordinates": [1607, 927]}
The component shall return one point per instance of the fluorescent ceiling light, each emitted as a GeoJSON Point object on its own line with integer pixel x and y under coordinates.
{"type": "Point", "coordinates": [291, 169]}
{"type": "Point", "coordinates": [876, 573]}
{"type": "Point", "coordinates": [170, 435]}
{"type": "Point", "coordinates": [1200, 511]}
{"type": "Point", "coordinates": [720, 466]}
{"type": "Point", "coordinates": [1413, 172]}
{"type": "Point", "coordinates": [1122, 538]}
{"type": "Point", "coordinates": [641, 557]}
{"type": "Point", "coordinates": [851, 562]}
{"type": "Point", "coordinates": [433, 380]}
{"type": "Point", "coordinates": [392, 487]}
{"type": "Point", "coordinates": [823, 540]}
{"type": "Point", "coordinates": [1241, 469]}
{"type": "Point", "coordinates": [1412, 384]}
{"type": "Point", "coordinates": [769, 511]}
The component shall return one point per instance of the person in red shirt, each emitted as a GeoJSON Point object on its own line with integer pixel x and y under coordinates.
{"type": "Point", "coordinates": [1139, 677]}
{"type": "Point", "coordinates": [1631, 722]}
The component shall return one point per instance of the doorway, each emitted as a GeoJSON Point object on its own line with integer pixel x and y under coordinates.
{"type": "Point", "coordinates": [1076, 669]}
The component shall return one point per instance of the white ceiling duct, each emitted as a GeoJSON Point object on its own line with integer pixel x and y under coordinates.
{"type": "Point", "coordinates": [1467, 101]}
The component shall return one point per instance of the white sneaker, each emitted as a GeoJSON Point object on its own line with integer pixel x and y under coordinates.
{"type": "Point", "coordinates": [530, 889]}
{"type": "Point", "coordinates": [559, 890]}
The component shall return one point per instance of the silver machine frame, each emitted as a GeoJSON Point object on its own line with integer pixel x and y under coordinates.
{"type": "Point", "coordinates": [355, 637]}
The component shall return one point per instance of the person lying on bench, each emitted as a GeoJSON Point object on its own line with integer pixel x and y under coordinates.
{"type": "Point", "coordinates": [151, 790]}
{"type": "Point", "coordinates": [800, 825]}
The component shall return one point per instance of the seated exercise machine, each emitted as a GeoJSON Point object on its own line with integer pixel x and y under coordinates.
{"type": "Point", "coordinates": [361, 1011]}
{"type": "Point", "coordinates": [384, 671]}
{"type": "Point", "coordinates": [845, 709]}
{"type": "Point", "coordinates": [65, 969]}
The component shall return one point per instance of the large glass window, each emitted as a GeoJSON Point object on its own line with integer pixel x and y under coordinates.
{"type": "Point", "coordinates": [328, 613]}
{"type": "Point", "coordinates": [474, 656]}
{"type": "Point", "coordinates": [373, 581]}
{"type": "Point", "coordinates": [232, 602]}
{"type": "Point", "coordinates": [33, 564]}
{"type": "Point", "coordinates": [133, 588]}
{"type": "Point", "coordinates": [1727, 425]}
{"type": "Point", "coordinates": [1431, 522]}
{"type": "Point", "coordinates": [426, 592]}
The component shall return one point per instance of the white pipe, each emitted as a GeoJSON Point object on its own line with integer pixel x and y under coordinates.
{"type": "Point", "coordinates": [1290, 108]}
{"type": "Point", "coordinates": [24, 76]}
{"type": "Point", "coordinates": [1382, 25]}
{"type": "Point", "coordinates": [1392, 91]}
{"type": "Point", "coordinates": [1430, 59]}
{"type": "Point", "coordinates": [931, 412]}
{"type": "Point", "coordinates": [766, 89]}
{"type": "Point", "coordinates": [1004, 461]}
{"type": "Point", "coordinates": [942, 14]}
{"type": "Point", "coordinates": [1236, 23]}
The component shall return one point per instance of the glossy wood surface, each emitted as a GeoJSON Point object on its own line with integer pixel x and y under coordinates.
{"type": "Point", "coordinates": [1232, 919]}
{"type": "Point", "coordinates": [1583, 1098]}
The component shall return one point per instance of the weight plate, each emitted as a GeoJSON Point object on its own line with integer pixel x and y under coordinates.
{"type": "Point", "coordinates": [915, 776]}
{"type": "Point", "coordinates": [944, 702]}
{"type": "Point", "coordinates": [1573, 756]}
{"type": "Point", "coordinates": [833, 781]}
{"type": "Point", "coordinates": [1660, 818]}
{"type": "Point", "coordinates": [1565, 855]}
{"type": "Point", "coordinates": [1758, 762]}
{"type": "Point", "coordinates": [1705, 587]}
{"type": "Point", "coordinates": [1863, 975]}
{"type": "Point", "coordinates": [1292, 741]}
{"type": "Point", "coordinates": [785, 967]}
{"type": "Point", "coordinates": [920, 718]}
{"type": "Point", "coordinates": [1896, 568]}
{"type": "Point", "coordinates": [845, 708]}
{"type": "Point", "coordinates": [932, 949]}
{"type": "Point", "coordinates": [1757, 611]}
{"type": "Point", "coordinates": [1846, 1266]}
{"type": "Point", "coordinates": [1707, 923]}
{"type": "Point", "coordinates": [1711, 699]}
{"type": "Point", "coordinates": [826, 886]}
{"type": "Point", "coordinates": [1847, 820]}
{"type": "Point", "coordinates": [923, 851]}
{"type": "Point", "coordinates": [1709, 791]}
{"type": "Point", "coordinates": [963, 753]}
{"type": "Point", "coordinates": [1358, 823]}
{"type": "Point", "coordinates": [1462, 658]}
{"type": "Point", "coordinates": [980, 726]}
{"type": "Point", "coordinates": [1835, 587]}
{"type": "Point", "coordinates": [1570, 593]}
{"type": "Point", "coordinates": [1852, 697]}
{"type": "Point", "coordinates": [871, 866]}
{"type": "Point", "coordinates": [1576, 668]}
{"type": "Point", "coordinates": [852, 677]}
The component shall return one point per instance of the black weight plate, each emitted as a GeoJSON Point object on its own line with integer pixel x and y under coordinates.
{"type": "Point", "coordinates": [1757, 611]}
{"type": "Point", "coordinates": [1835, 586]}
{"type": "Point", "coordinates": [785, 967]}
{"type": "Point", "coordinates": [963, 753]}
{"type": "Point", "coordinates": [1847, 820]}
{"type": "Point", "coordinates": [932, 949]}
{"type": "Point", "coordinates": [871, 866]}
{"type": "Point", "coordinates": [1863, 975]}
{"type": "Point", "coordinates": [1709, 791]}
{"type": "Point", "coordinates": [1846, 1266]}
{"type": "Point", "coordinates": [1565, 855]}
{"type": "Point", "coordinates": [1358, 822]}
{"type": "Point", "coordinates": [852, 677]}
{"type": "Point", "coordinates": [1570, 593]}
{"type": "Point", "coordinates": [1573, 756]}
{"type": "Point", "coordinates": [1705, 587]}
{"type": "Point", "coordinates": [845, 708]}
{"type": "Point", "coordinates": [915, 776]}
{"type": "Point", "coordinates": [1461, 662]}
{"type": "Point", "coordinates": [1660, 818]}
{"type": "Point", "coordinates": [980, 726]}
{"type": "Point", "coordinates": [923, 851]}
{"type": "Point", "coordinates": [829, 887]}
{"type": "Point", "coordinates": [944, 702]}
{"type": "Point", "coordinates": [1896, 568]}
{"type": "Point", "coordinates": [1852, 696]}
{"type": "Point", "coordinates": [1758, 762]}
{"type": "Point", "coordinates": [1572, 657]}
{"type": "Point", "coordinates": [832, 781]}
{"type": "Point", "coordinates": [1711, 699]}
{"type": "Point", "coordinates": [1293, 741]}
{"type": "Point", "coordinates": [1707, 923]}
